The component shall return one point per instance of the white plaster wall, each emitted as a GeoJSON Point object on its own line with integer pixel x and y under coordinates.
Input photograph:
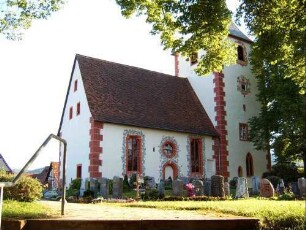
{"type": "Point", "coordinates": [203, 86]}
{"type": "Point", "coordinates": [76, 130]}
{"type": "Point", "coordinates": [234, 106]}
{"type": "Point", "coordinates": [113, 145]}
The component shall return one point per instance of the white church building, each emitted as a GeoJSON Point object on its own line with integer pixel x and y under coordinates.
{"type": "Point", "coordinates": [119, 120]}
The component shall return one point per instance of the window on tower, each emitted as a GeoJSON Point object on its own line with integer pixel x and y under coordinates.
{"type": "Point", "coordinates": [243, 132]}
{"type": "Point", "coordinates": [193, 58]}
{"type": "Point", "coordinates": [241, 54]}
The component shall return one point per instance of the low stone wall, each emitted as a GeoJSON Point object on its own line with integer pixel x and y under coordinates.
{"type": "Point", "coordinates": [209, 224]}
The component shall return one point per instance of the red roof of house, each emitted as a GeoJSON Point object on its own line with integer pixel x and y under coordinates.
{"type": "Point", "coordinates": [127, 95]}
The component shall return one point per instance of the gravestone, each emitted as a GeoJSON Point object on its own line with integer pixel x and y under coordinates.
{"type": "Point", "coordinates": [161, 188]}
{"type": "Point", "coordinates": [255, 185]}
{"type": "Point", "coordinates": [198, 187]}
{"type": "Point", "coordinates": [266, 188]}
{"type": "Point", "coordinates": [227, 189]}
{"type": "Point", "coordinates": [280, 187]}
{"type": "Point", "coordinates": [302, 186]}
{"type": "Point", "coordinates": [82, 188]}
{"type": "Point", "coordinates": [87, 184]}
{"type": "Point", "coordinates": [207, 187]}
{"type": "Point", "coordinates": [177, 187]}
{"type": "Point", "coordinates": [104, 187]}
{"type": "Point", "coordinates": [242, 188]}
{"type": "Point", "coordinates": [295, 188]}
{"type": "Point", "coordinates": [217, 186]}
{"type": "Point", "coordinates": [150, 182]}
{"type": "Point", "coordinates": [184, 179]}
{"type": "Point", "coordinates": [117, 187]}
{"type": "Point", "coordinates": [94, 186]}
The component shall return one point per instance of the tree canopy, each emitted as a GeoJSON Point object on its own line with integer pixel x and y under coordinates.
{"type": "Point", "coordinates": [278, 56]}
{"type": "Point", "coordinates": [17, 15]}
{"type": "Point", "coordinates": [187, 26]}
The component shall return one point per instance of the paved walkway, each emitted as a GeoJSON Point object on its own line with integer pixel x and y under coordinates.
{"type": "Point", "coordinates": [111, 212]}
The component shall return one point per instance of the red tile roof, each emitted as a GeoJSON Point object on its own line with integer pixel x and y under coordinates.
{"type": "Point", "coordinates": [127, 95]}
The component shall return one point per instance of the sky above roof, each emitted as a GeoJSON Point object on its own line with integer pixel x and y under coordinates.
{"type": "Point", "coordinates": [34, 72]}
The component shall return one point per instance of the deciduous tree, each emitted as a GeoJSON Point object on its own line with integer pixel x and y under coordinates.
{"type": "Point", "coordinates": [17, 15]}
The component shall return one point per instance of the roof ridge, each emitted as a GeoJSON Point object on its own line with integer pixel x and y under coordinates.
{"type": "Point", "coordinates": [127, 65]}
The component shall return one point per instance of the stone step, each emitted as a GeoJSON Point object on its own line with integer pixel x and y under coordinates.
{"type": "Point", "coordinates": [203, 224]}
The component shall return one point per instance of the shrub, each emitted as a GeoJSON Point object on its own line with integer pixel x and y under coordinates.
{"type": "Point", "coordinates": [26, 189]}
{"type": "Point", "coordinates": [152, 194]}
{"type": "Point", "coordinates": [88, 193]}
{"type": "Point", "coordinates": [74, 187]}
{"type": "Point", "coordinates": [233, 183]}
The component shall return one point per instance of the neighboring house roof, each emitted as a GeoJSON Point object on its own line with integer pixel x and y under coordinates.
{"type": "Point", "coordinates": [127, 95]}
{"type": "Point", "coordinates": [4, 165]}
{"type": "Point", "coordinates": [43, 176]}
{"type": "Point", "coordinates": [45, 173]}
{"type": "Point", "coordinates": [236, 33]}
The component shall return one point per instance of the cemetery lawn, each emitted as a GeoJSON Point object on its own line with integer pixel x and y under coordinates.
{"type": "Point", "coordinates": [273, 214]}
{"type": "Point", "coordinates": [25, 210]}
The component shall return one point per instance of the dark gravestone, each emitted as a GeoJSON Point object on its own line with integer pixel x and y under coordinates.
{"type": "Point", "coordinates": [94, 186]}
{"type": "Point", "coordinates": [161, 188]}
{"type": "Point", "coordinates": [177, 187]}
{"type": "Point", "coordinates": [198, 187]}
{"type": "Point", "coordinates": [117, 187]}
{"type": "Point", "coordinates": [104, 187]}
{"type": "Point", "coordinates": [255, 185]}
{"type": "Point", "coordinates": [184, 179]}
{"type": "Point", "coordinates": [295, 188]}
{"type": "Point", "coordinates": [217, 186]}
{"type": "Point", "coordinates": [150, 182]}
{"type": "Point", "coordinates": [302, 186]}
{"type": "Point", "coordinates": [207, 187]}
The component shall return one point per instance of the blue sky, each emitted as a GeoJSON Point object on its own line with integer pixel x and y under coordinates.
{"type": "Point", "coordinates": [34, 72]}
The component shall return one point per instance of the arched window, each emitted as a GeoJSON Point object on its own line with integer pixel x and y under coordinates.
{"type": "Point", "coordinates": [240, 172]}
{"type": "Point", "coordinates": [133, 153]}
{"type": "Point", "coordinates": [196, 158]}
{"type": "Point", "coordinates": [249, 165]}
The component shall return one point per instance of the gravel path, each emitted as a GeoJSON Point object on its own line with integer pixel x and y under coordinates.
{"type": "Point", "coordinates": [110, 212]}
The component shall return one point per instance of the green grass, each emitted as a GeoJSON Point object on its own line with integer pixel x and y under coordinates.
{"type": "Point", "coordinates": [273, 214]}
{"type": "Point", "coordinates": [25, 210]}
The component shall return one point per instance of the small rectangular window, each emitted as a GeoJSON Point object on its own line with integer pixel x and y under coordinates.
{"type": "Point", "coordinates": [79, 171]}
{"type": "Point", "coordinates": [240, 53]}
{"type": "Point", "coordinates": [243, 132]}
{"type": "Point", "coordinates": [78, 108]}
{"type": "Point", "coordinates": [75, 85]}
{"type": "Point", "coordinates": [193, 58]}
{"type": "Point", "coordinates": [70, 113]}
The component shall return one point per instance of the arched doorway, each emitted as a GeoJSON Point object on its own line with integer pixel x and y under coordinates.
{"type": "Point", "coordinates": [170, 170]}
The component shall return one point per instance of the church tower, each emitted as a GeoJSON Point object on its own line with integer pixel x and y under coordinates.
{"type": "Point", "coordinates": [229, 98]}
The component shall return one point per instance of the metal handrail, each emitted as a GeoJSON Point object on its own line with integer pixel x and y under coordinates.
{"type": "Point", "coordinates": [27, 165]}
